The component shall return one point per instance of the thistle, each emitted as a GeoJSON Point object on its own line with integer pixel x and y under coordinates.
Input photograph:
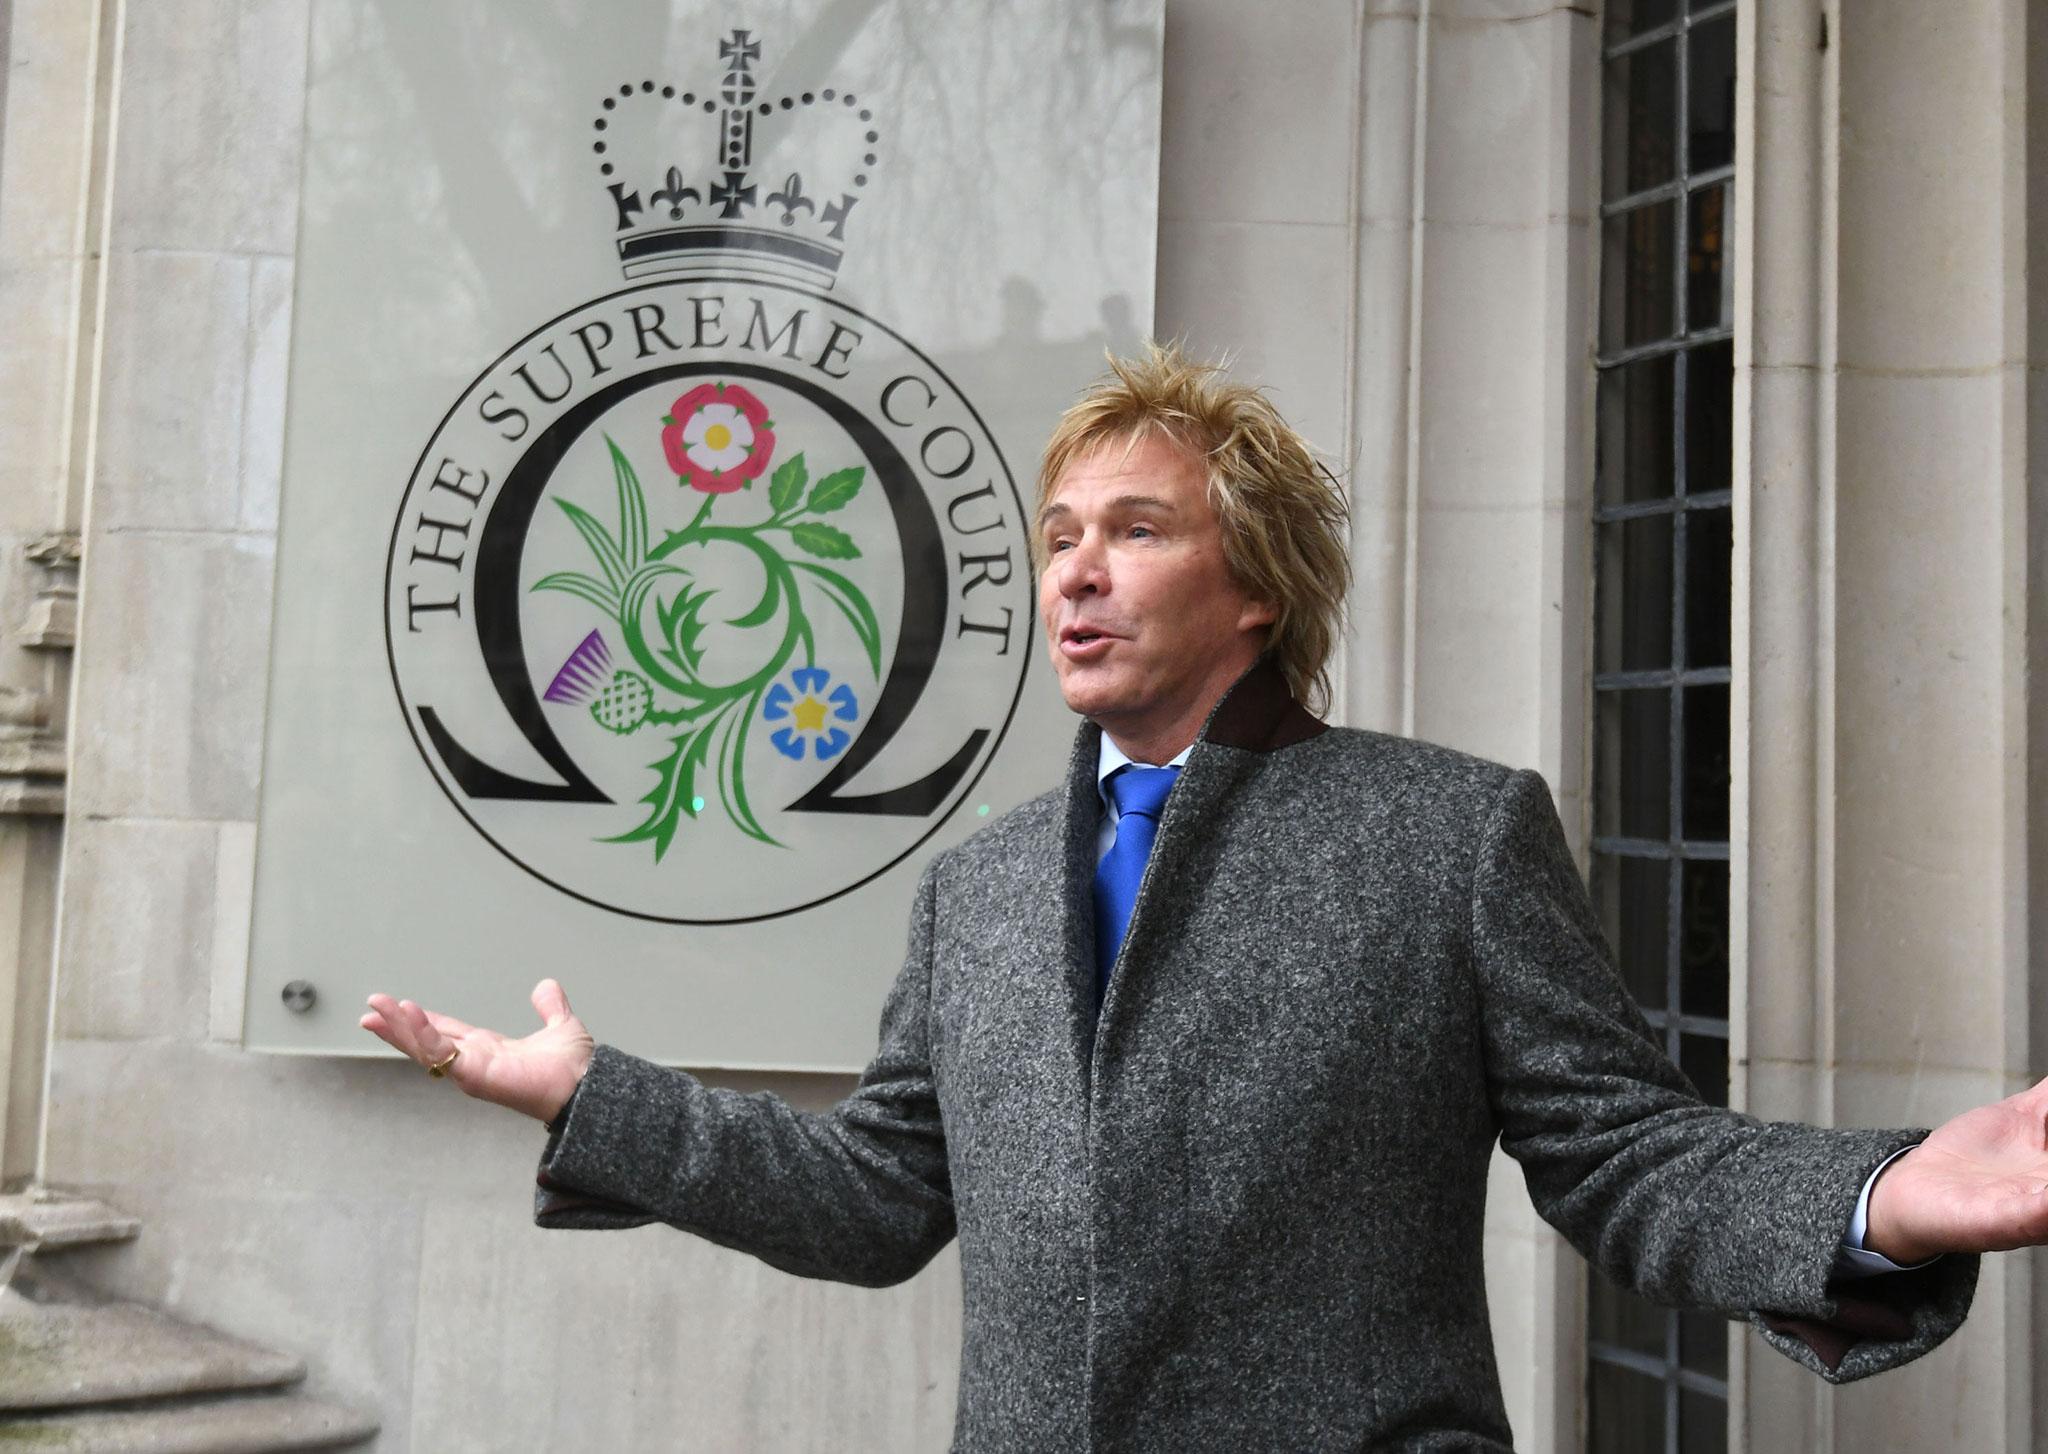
{"type": "Point", "coordinates": [622, 705]}
{"type": "Point", "coordinates": [581, 673]}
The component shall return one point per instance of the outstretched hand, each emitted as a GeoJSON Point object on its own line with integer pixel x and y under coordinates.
{"type": "Point", "coordinates": [533, 1076]}
{"type": "Point", "coordinates": [1978, 1184]}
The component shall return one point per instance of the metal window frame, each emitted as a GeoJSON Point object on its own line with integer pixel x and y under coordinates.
{"type": "Point", "coordinates": [1670, 1021]}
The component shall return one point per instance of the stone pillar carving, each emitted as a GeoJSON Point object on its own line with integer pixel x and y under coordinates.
{"type": "Point", "coordinates": [32, 719]}
{"type": "Point", "coordinates": [32, 763]}
{"type": "Point", "coordinates": [52, 623]}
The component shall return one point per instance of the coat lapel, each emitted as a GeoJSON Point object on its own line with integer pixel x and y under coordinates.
{"type": "Point", "coordinates": [1185, 830]}
{"type": "Point", "coordinates": [1077, 894]}
{"type": "Point", "coordinates": [1256, 716]}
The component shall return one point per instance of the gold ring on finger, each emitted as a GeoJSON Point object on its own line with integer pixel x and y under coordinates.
{"type": "Point", "coordinates": [437, 1071]}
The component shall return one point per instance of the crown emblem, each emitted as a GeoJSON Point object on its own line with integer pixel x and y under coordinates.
{"type": "Point", "coordinates": [730, 180]}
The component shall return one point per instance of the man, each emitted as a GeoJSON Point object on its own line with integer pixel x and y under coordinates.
{"type": "Point", "coordinates": [1202, 1056]}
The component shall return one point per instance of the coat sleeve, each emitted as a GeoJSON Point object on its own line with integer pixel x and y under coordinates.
{"type": "Point", "coordinates": [858, 1194]}
{"type": "Point", "coordinates": [1688, 1204]}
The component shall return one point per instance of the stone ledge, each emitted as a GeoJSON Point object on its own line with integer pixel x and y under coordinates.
{"type": "Point", "coordinates": [41, 1219]}
{"type": "Point", "coordinates": [60, 1354]}
{"type": "Point", "coordinates": [262, 1424]}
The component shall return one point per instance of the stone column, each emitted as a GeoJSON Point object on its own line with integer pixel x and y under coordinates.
{"type": "Point", "coordinates": [1881, 862]}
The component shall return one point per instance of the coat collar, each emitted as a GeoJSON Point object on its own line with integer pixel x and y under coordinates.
{"type": "Point", "coordinates": [1257, 715]}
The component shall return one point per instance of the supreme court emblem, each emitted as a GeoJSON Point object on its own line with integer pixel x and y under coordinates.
{"type": "Point", "coordinates": [709, 600]}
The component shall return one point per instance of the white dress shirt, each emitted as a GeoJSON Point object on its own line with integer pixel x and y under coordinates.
{"type": "Point", "coordinates": [1108, 760]}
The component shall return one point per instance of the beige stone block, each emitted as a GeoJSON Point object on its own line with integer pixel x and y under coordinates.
{"type": "Point", "coordinates": [1257, 111]}
{"type": "Point", "coordinates": [1929, 663]}
{"type": "Point", "coordinates": [1570, 249]}
{"type": "Point", "coordinates": [1275, 298]}
{"type": "Point", "coordinates": [633, 1336]}
{"type": "Point", "coordinates": [137, 932]}
{"type": "Point", "coordinates": [37, 850]}
{"type": "Point", "coordinates": [1376, 476]}
{"type": "Point", "coordinates": [2032, 83]}
{"type": "Point", "coordinates": [171, 671]}
{"type": "Point", "coordinates": [43, 133]}
{"type": "Point", "coordinates": [1478, 678]}
{"type": "Point", "coordinates": [1778, 636]}
{"type": "Point", "coordinates": [1778, 1090]}
{"type": "Point", "coordinates": [1510, 112]}
{"type": "Point", "coordinates": [1510, 1308]}
{"type": "Point", "coordinates": [1914, 1094]}
{"type": "Point", "coordinates": [1386, 182]}
{"type": "Point", "coordinates": [325, 1275]}
{"type": "Point", "coordinates": [1510, 1215]}
{"type": "Point", "coordinates": [263, 414]}
{"type": "Point", "coordinates": [1563, 723]}
{"type": "Point", "coordinates": [187, 1112]}
{"type": "Point", "coordinates": [1562, 450]}
{"type": "Point", "coordinates": [179, 1112]}
{"type": "Point", "coordinates": [1927, 278]}
{"type": "Point", "coordinates": [176, 366]}
{"type": "Point", "coordinates": [1443, 11]}
{"type": "Point", "coordinates": [1484, 357]}
{"type": "Point", "coordinates": [1380, 385]}
{"type": "Point", "coordinates": [233, 902]}
{"type": "Point", "coordinates": [220, 89]}
{"type": "Point", "coordinates": [1778, 195]}
{"type": "Point", "coordinates": [39, 302]}
{"type": "Point", "coordinates": [1917, 978]}
{"type": "Point", "coordinates": [1374, 645]}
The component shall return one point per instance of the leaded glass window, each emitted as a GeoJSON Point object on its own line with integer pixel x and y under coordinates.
{"type": "Point", "coordinates": [1658, 1379]}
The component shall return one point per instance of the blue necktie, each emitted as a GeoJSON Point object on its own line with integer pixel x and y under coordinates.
{"type": "Point", "coordinates": [1139, 794]}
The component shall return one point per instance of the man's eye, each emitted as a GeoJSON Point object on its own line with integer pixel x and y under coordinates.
{"type": "Point", "coordinates": [1143, 532]}
{"type": "Point", "coordinates": [1054, 547]}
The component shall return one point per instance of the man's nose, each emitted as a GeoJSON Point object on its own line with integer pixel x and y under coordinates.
{"type": "Point", "coordinates": [1081, 570]}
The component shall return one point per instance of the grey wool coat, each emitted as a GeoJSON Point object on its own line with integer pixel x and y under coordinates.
{"type": "Point", "coordinates": [1242, 1209]}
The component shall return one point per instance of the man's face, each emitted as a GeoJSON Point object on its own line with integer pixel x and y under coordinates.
{"type": "Point", "coordinates": [1146, 628]}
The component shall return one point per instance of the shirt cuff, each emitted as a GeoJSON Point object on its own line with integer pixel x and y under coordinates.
{"type": "Point", "coordinates": [1852, 1258]}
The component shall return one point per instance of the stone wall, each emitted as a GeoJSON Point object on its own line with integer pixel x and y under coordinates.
{"type": "Point", "coordinates": [1887, 734]}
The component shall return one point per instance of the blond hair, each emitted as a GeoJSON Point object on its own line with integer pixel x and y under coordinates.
{"type": "Point", "coordinates": [1282, 513]}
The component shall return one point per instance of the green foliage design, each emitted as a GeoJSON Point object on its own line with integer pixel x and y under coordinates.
{"type": "Point", "coordinates": [660, 612]}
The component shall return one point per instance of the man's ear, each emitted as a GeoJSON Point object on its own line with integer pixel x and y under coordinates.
{"type": "Point", "coordinates": [1256, 614]}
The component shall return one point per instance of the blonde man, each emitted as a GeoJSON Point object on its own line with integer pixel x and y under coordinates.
{"type": "Point", "coordinates": [1202, 1055]}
